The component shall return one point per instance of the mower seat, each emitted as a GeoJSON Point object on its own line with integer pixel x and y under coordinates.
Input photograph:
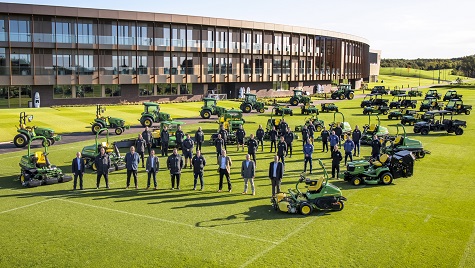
{"type": "Point", "coordinates": [372, 128]}
{"type": "Point", "coordinates": [315, 185]}
{"type": "Point", "coordinates": [398, 139]}
{"type": "Point", "coordinates": [41, 159]}
{"type": "Point", "coordinates": [382, 159]}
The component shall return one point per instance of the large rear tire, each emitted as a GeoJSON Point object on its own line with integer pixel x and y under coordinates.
{"type": "Point", "coordinates": [294, 102]}
{"type": "Point", "coordinates": [205, 114]}
{"type": "Point", "coordinates": [20, 140]}
{"type": "Point", "coordinates": [247, 108]}
{"type": "Point", "coordinates": [341, 205]}
{"type": "Point", "coordinates": [467, 112]}
{"type": "Point", "coordinates": [351, 95]}
{"type": "Point", "coordinates": [46, 143]}
{"type": "Point", "coordinates": [147, 122]}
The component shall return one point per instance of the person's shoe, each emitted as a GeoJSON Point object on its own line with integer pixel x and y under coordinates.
{"type": "Point", "coordinates": [171, 188]}
{"type": "Point", "coordinates": [147, 188]}
{"type": "Point", "coordinates": [74, 189]}
{"type": "Point", "coordinates": [136, 187]}
{"type": "Point", "coordinates": [185, 166]}
{"type": "Point", "coordinates": [97, 187]}
{"type": "Point", "coordinates": [310, 172]}
{"type": "Point", "coordinates": [304, 171]}
{"type": "Point", "coordinates": [107, 187]}
{"type": "Point", "coordinates": [230, 190]}
{"type": "Point", "coordinates": [219, 191]}
{"type": "Point", "coordinates": [143, 166]}
{"type": "Point", "coordinates": [244, 193]}
{"type": "Point", "coordinates": [127, 187]}
{"type": "Point", "coordinates": [178, 188]}
{"type": "Point", "coordinates": [155, 188]}
{"type": "Point", "coordinates": [194, 189]}
{"type": "Point", "coordinates": [253, 193]}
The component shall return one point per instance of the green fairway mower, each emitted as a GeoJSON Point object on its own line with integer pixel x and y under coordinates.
{"type": "Point", "coordinates": [451, 94]}
{"type": "Point", "coordinates": [90, 152]}
{"type": "Point", "coordinates": [383, 171]}
{"type": "Point", "coordinates": [320, 195]}
{"type": "Point", "coordinates": [251, 103]}
{"type": "Point", "coordinates": [172, 127]}
{"type": "Point", "coordinates": [371, 129]}
{"type": "Point", "coordinates": [26, 133]}
{"type": "Point", "coordinates": [401, 142]}
{"type": "Point", "coordinates": [210, 108]}
{"type": "Point", "coordinates": [343, 91]}
{"type": "Point", "coordinates": [414, 92]}
{"type": "Point", "coordinates": [315, 121]}
{"type": "Point", "coordinates": [433, 93]}
{"type": "Point", "coordinates": [401, 101]}
{"type": "Point", "coordinates": [151, 114]}
{"type": "Point", "coordinates": [231, 121]}
{"type": "Point", "coordinates": [396, 92]}
{"type": "Point", "coordinates": [36, 169]}
{"type": "Point", "coordinates": [399, 113]}
{"type": "Point", "coordinates": [457, 107]}
{"type": "Point", "coordinates": [431, 104]}
{"type": "Point", "coordinates": [373, 99]}
{"type": "Point", "coordinates": [299, 97]}
{"type": "Point", "coordinates": [282, 110]}
{"type": "Point", "coordinates": [376, 109]}
{"type": "Point", "coordinates": [379, 90]}
{"type": "Point", "coordinates": [102, 122]}
{"type": "Point", "coordinates": [308, 109]}
{"type": "Point", "coordinates": [329, 107]}
{"type": "Point", "coordinates": [345, 126]}
{"type": "Point", "coordinates": [438, 121]}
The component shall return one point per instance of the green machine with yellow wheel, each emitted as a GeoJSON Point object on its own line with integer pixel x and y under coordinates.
{"type": "Point", "coordinates": [90, 152]}
{"type": "Point", "coordinates": [102, 122]}
{"type": "Point", "coordinates": [26, 133]}
{"type": "Point", "coordinates": [320, 195]}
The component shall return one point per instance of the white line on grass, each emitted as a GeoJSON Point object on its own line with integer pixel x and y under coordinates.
{"type": "Point", "coordinates": [29, 205]}
{"type": "Point", "coordinates": [468, 248]}
{"type": "Point", "coordinates": [262, 253]}
{"type": "Point", "coordinates": [168, 221]}
{"type": "Point", "coordinates": [427, 218]}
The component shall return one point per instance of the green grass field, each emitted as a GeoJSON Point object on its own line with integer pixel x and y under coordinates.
{"type": "Point", "coordinates": [427, 220]}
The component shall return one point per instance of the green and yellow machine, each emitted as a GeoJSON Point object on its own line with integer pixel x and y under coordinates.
{"type": "Point", "coordinates": [230, 120]}
{"type": "Point", "coordinates": [172, 127]}
{"type": "Point", "coordinates": [102, 122]}
{"type": "Point", "coordinates": [36, 168]}
{"type": "Point", "coordinates": [343, 91]}
{"type": "Point", "coordinates": [151, 114]}
{"type": "Point", "coordinates": [299, 97]}
{"type": "Point", "coordinates": [401, 142]}
{"type": "Point", "coordinates": [210, 108]}
{"type": "Point", "coordinates": [250, 103]}
{"type": "Point", "coordinates": [26, 133]}
{"type": "Point", "coordinates": [90, 152]}
{"type": "Point", "coordinates": [372, 129]}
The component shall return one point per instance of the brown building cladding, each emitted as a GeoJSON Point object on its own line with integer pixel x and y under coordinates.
{"type": "Point", "coordinates": [81, 56]}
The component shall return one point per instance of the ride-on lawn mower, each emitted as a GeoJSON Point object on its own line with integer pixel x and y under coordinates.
{"type": "Point", "coordinates": [400, 142]}
{"type": "Point", "coordinates": [36, 169]}
{"type": "Point", "coordinates": [102, 122]}
{"type": "Point", "coordinates": [329, 107]}
{"type": "Point", "coordinates": [315, 121]}
{"type": "Point", "coordinates": [383, 171]}
{"type": "Point", "coordinates": [26, 133]}
{"type": "Point", "coordinates": [90, 152]}
{"type": "Point", "coordinates": [281, 110]}
{"type": "Point", "coordinates": [320, 195]}
{"type": "Point", "coordinates": [370, 130]}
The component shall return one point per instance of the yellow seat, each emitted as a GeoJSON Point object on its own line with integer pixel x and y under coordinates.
{"type": "Point", "coordinates": [41, 158]}
{"type": "Point", "coordinates": [433, 103]}
{"type": "Point", "coordinates": [104, 144]}
{"type": "Point", "coordinates": [382, 159]}
{"type": "Point", "coordinates": [317, 186]}
{"type": "Point", "coordinates": [398, 139]}
{"type": "Point", "coordinates": [372, 127]}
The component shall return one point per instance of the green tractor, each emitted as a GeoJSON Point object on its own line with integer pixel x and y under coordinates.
{"type": "Point", "coordinates": [231, 121]}
{"type": "Point", "coordinates": [343, 91]}
{"type": "Point", "coordinates": [414, 92]}
{"type": "Point", "coordinates": [172, 127]}
{"type": "Point", "coordinates": [320, 195]}
{"type": "Point", "coordinates": [400, 142]}
{"type": "Point", "coordinates": [329, 107]}
{"type": "Point", "coordinates": [210, 108]}
{"type": "Point", "coordinates": [250, 103]}
{"type": "Point", "coordinates": [26, 133]}
{"type": "Point", "coordinates": [90, 152]}
{"type": "Point", "coordinates": [299, 97]}
{"type": "Point", "coordinates": [36, 169]}
{"type": "Point", "coordinates": [315, 121]}
{"type": "Point", "coordinates": [309, 109]}
{"type": "Point", "coordinates": [151, 114]}
{"type": "Point", "coordinates": [102, 122]}
{"type": "Point", "coordinates": [371, 130]}
{"type": "Point", "coordinates": [282, 110]}
{"type": "Point", "coordinates": [384, 171]}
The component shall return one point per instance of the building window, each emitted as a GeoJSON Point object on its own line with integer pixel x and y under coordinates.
{"type": "Point", "coordinates": [21, 62]}
{"type": "Point", "coordinates": [142, 63]}
{"type": "Point", "coordinates": [126, 32]}
{"type": "Point", "coordinates": [89, 91]}
{"type": "Point", "coordinates": [112, 91]}
{"type": "Point", "coordinates": [184, 89]}
{"type": "Point", "coordinates": [85, 62]}
{"type": "Point", "coordinates": [166, 89]}
{"type": "Point", "coordinates": [280, 85]}
{"type": "Point", "coordinates": [178, 36]}
{"type": "Point", "coordinates": [62, 92]}
{"type": "Point", "coordinates": [3, 29]}
{"type": "Point", "coordinates": [62, 62]}
{"type": "Point", "coordinates": [146, 90]}
{"type": "Point", "coordinates": [85, 34]}
{"type": "Point", "coordinates": [62, 32]}
{"type": "Point", "coordinates": [20, 30]}
{"type": "Point", "coordinates": [142, 36]}
{"type": "Point", "coordinates": [4, 68]}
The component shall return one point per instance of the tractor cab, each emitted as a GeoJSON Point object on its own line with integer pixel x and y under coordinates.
{"type": "Point", "coordinates": [151, 114]}
{"type": "Point", "coordinates": [151, 108]}
{"type": "Point", "coordinates": [299, 97]}
{"type": "Point", "coordinates": [250, 98]}
{"type": "Point", "coordinates": [209, 103]}
{"type": "Point", "coordinates": [298, 93]}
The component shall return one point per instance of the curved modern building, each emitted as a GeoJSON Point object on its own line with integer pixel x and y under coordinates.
{"type": "Point", "coordinates": [85, 56]}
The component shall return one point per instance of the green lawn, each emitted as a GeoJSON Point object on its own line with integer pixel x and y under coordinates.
{"type": "Point", "coordinates": [427, 220]}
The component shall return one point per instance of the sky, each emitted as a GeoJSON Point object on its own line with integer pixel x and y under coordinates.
{"type": "Point", "coordinates": [401, 29]}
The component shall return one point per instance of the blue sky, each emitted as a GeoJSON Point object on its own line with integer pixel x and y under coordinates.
{"type": "Point", "coordinates": [401, 29]}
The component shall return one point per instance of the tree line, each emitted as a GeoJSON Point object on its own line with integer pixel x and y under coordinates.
{"type": "Point", "coordinates": [464, 66]}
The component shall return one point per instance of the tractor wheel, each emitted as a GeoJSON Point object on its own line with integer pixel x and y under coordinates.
{"type": "Point", "coordinates": [351, 95]}
{"type": "Point", "coordinates": [356, 181]}
{"type": "Point", "coordinates": [205, 114]}
{"type": "Point", "coordinates": [294, 102]}
{"type": "Point", "coordinates": [467, 112]}
{"type": "Point", "coordinates": [424, 131]}
{"type": "Point", "coordinates": [385, 112]}
{"type": "Point", "coordinates": [365, 112]}
{"type": "Point", "coordinates": [291, 113]}
{"type": "Point", "coordinates": [386, 178]}
{"type": "Point", "coordinates": [247, 108]}
{"type": "Point", "coordinates": [421, 154]}
{"type": "Point", "coordinates": [93, 167]}
{"type": "Point", "coordinates": [20, 140]}
{"type": "Point", "coordinates": [118, 131]}
{"type": "Point", "coordinates": [458, 131]}
{"type": "Point", "coordinates": [52, 141]}
{"type": "Point", "coordinates": [318, 128]}
{"type": "Point", "coordinates": [305, 209]}
{"type": "Point", "coordinates": [341, 97]}
{"type": "Point", "coordinates": [334, 96]}
{"type": "Point", "coordinates": [261, 110]}
{"type": "Point", "coordinates": [96, 127]}
{"type": "Point", "coordinates": [390, 117]}
{"type": "Point", "coordinates": [46, 143]}
{"type": "Point", "coordinates": [147, 122]}
{"type": "Point", "coordinates": [341, 205]}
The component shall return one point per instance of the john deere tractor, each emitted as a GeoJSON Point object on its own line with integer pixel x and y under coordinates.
{"type": "Point", "coordinates": [90, 152]}
{"type": "Point", "coordinates": [231, 120]}
{"type": "Point", "coordinates": [381, 171]}
{"type": "Point", "coordinates": [26, 133]}
{"type": "Point", "coordinates": [172, 127]}
{"type": "Point", "coordinates": [308, 109]}
{"type": "Point", "coordinates": [250, 103]}
{"type": "Point", "coordinates": [343, 91]}
{"type": "Point", "coordinates": [371, 129]}
{"type": "Point", "coordinates": [320, 195]}
{"type": "Point", "coordinates": [210, 108]}
{"type": "Point", "coordinates": [299, 97]}
{"type": "Point", "coordinates": [36, 169]}
{"type": "Point", "coordinates": [102, 122]}
{"type": "Point", "coordinates": [151, 114]}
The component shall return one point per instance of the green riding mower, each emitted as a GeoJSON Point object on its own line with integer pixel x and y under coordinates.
{"type": "Point", "coordinates": [299, 97]}
{"type": "Point", "coordinates": [343, 91]}
{"type": "Point", "coordinates": [36, 168]}
{"type": "Point", "coordinates": [210, 108]}
{"type": "Point", "coordinates": [317, 123]}
{"type": "Point", "coordinates": [320, 195]}
{"type": "Point", "coordinates": [172, 127]}
{"type": "Point", "coordinates": [102, 122]}
{"type": "Point", "coordinates": [26, 133]}
{"type": "Point", "coordinates": [282, 110]}
{"type": "Point", "coordinates": [231, 121]}
{"type": "Point", "coordinates": [90, 152]}
{"type": "Point", "coordinates": [384, 171]}
{"type": "Point", "coordinates": [151, 114]}
{"type": "Point", "coordinates": [329, 107]}
{"type": "Point", "coordinates": [371, 129]}
{"type": "Point", "coordinates": [250, 103]}
{"type": "Point", "coordinates": [401, 142]}
{"type": "Point", "coordinates": [308, 109]}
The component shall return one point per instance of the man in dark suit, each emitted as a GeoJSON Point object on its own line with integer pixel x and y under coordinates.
{"type": "Point", "coordinates": [164, 138]}
{"type": "Point", "coordinates": [153, 164]}
{"type": "Point", "coordinates": [103, 163]}
{"type": "Point", "coordinates": [276, 171]}
{"type": "Point", "coordinates": [78, 170]}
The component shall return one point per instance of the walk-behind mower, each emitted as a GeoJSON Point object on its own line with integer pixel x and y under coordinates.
{"type": "Point", "coordinates": [401, 142]}
{"type": "Point", "coordinates": [26, 133]}
{"type": "Point", "coordinates": [102, 122]}
{"type": "Point", "coordinates": [36, 169]}
{"type": "Point", "coordinates": [320, 195]}
{"type": "Point", "coordinates": [383, 171]}
{"type": "Point", "coordinates": [370, 130]}
{"type": "Point", "coordinates": [90, 152]}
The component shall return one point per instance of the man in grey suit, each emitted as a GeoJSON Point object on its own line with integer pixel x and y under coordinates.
{"type": "Point", "coordinates": [276, 171]}
{"type": "Point", "coordinates": [248, 172]}
{"type": "Point", "coordinates": [152, 167]}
